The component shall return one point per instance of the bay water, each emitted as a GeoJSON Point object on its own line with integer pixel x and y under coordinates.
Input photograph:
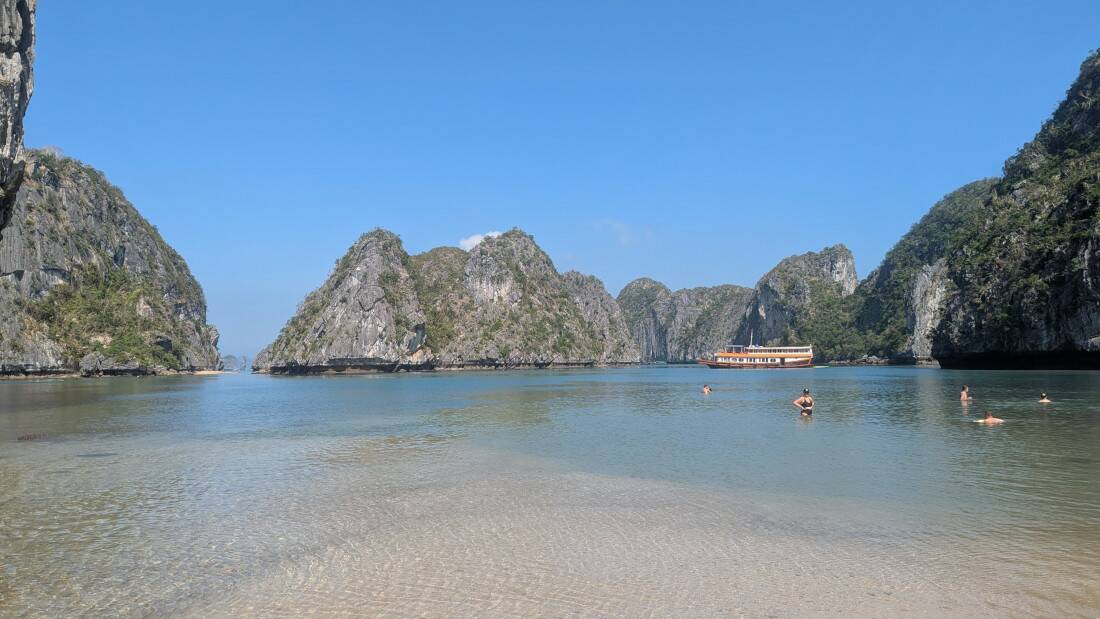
{"type": "Point", "coordinates": [606, 492]}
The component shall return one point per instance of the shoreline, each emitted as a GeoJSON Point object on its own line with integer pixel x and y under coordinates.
{"type": "Point", "coordinates": [399, 369]}
{"type": "Point", "coordinates": [70, 375]}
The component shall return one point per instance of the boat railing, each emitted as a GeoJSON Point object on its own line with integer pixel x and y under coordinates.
{"type": "Point", "coordinates": [772, 349]}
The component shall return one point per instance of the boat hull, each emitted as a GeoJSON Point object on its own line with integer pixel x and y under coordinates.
{"type": "Point", "coordinates": [735, 365]}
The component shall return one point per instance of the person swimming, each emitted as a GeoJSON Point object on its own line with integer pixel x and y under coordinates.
{"type": "Point", "coordinates": [706, 389]}
{"type": "Point", "coordinates": [1043, 399]}
{"type": "Point", "coordinates": [964, 395]}
{"type": "Point", "coordinates": [989, 418]}
{"type": "Point", "coordinates": [805, 403]}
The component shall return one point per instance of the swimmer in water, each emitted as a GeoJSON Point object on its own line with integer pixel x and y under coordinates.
{"type": "Point", "coordinates": [706, 389]}
{"type": "Point", "coordinates": [989, 418]}
{"type": "Point", "coordinates": [1043, 399]}
{"type": "Point", "coordinates": [964, 395]}
{"type": "Point", "coordinates": [805, 403]}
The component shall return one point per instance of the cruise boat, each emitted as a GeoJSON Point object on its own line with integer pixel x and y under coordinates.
{"type": "Point", "coordinates": [761, 357]}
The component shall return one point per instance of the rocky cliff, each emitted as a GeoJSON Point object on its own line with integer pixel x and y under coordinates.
{"type": "Point", "coordinates": [803, 300]}
{"type": "Point", "coordinates": [604, 316]}
{"type": "Point", "coordinates": [647, 305]}
{"type": "Point", "coordinates": [682, 326]}
{"type": "Point", "coordinates": [16, 84]}
{"type": "Point", "coordinates": [901, 303]}
{"type": "Point", "coordinates": [86, 284]}
{"type": "Point", "coordinates": [366, 315]}
{"type": "Point", "coordinates": [1024, 285]}
{"type": "Point", "coordinates": [502, 304]}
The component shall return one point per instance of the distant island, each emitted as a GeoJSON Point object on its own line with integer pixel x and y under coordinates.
{"type": "Point", "coordinates": [502, 304]}
{"type": "Point", "coordinates": [235, 363]}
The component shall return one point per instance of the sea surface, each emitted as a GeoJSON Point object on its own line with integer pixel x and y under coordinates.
{"type": "Point", "coordinates": [604, 492]}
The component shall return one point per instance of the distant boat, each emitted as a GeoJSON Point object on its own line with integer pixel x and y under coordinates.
{"type": "Point", "coordinates": [761, 357]}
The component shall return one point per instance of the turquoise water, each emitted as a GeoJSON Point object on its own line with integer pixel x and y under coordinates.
{"type": "Point", "coordinates": [617, 491]}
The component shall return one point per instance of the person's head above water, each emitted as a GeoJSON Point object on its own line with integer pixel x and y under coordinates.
{"type": "Point", "coordinates": [805, 392]}
{"type": "Point", "coordinates": [988, 414]}
{"type": "Point", "coordinates": [1043, 395]}
{"type": "Point", "coordinates": [966, 388]}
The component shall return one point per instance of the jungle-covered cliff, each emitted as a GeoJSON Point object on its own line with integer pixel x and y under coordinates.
{"type": "Point", "coordinates": [1002, 272]}
{"type": "Point", "coordinates": [502, 304]}
{"type": "Point", "coordinates": [1024, 285]}
{"type": "Point", "coordinates": [898, 307]}
{"type": "Point", "coordinates": [88, 285]}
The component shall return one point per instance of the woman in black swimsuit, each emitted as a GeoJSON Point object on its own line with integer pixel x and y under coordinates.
{"type": "Point", "coordinates": [805, 403]}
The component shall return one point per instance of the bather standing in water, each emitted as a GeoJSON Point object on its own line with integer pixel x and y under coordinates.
{"type": "Point", "coordinates": [964, 395]}
{"type": "Point", "coordinates": [805, 403]}
{"type": "Point", "coordinates": [706, 389]}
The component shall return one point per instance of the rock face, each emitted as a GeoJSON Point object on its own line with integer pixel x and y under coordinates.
{"type": "Point", "coordinates": [802, 301]}
{"type": "Point", "coordinates": [647, 305]}
{"type": "Point", "coordinates": [365, 316]}
{"type": "Point", "coordinates": [682, 326]}
{"type": "Point", "coordinates": [509, 306]}
{"type": "Point", "coordinates": [1025, 285]}
{"type": "Point", "coordinates": [16, 84]}
{"type": "Point", "coordinates": [901, 302]}
{"type": "Point", "coordinates": [603, 314]}
{"type": "Point", "coordinates": [86, 284]}
{"type": "Point", "coordinates": [503, 304]}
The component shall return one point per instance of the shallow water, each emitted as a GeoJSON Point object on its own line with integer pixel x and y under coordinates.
{"type": "Point", "coordinates": [619, 492]}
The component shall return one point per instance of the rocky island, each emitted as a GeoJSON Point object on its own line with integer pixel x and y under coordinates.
{"type": "Point", "coordinates": [800, 302]}
{"type": "Point", "coordinates": [796, 302]}
{"type": "Point", "coordinates": [503, 304]}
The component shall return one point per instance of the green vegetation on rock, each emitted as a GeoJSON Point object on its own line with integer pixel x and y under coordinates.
{"type": "Point", "coordinates": [885, 308]}
{"type": "Point", "coordinates": [111, 313]}
{"type": "Point", "coordinates": [502, 304]}
{"type": "Point", "coordinates": [438, 275]}
{"type": "Point", "coordinates": [87, 274]}
{"type": "Point", "coordinates": [806, 300]}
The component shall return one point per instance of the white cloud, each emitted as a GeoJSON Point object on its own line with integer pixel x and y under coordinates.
{"type": "Point", "coordinates": [472, 241]}
{"type": "Point", "coordinates": [623, 233]}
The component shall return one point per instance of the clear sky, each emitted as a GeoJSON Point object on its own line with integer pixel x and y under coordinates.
{"type": "Point", "coordinates": [697, 143]}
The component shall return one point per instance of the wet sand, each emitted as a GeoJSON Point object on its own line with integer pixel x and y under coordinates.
{"type": "Point", "coordinates": [584, 545]}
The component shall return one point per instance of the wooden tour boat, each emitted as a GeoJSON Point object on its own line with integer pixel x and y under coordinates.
{"type": "Point", "coordinates": [761, 357]}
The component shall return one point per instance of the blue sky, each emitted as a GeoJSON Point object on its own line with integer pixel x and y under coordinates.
{"type": "Point", "coordinates": [697, 143]}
